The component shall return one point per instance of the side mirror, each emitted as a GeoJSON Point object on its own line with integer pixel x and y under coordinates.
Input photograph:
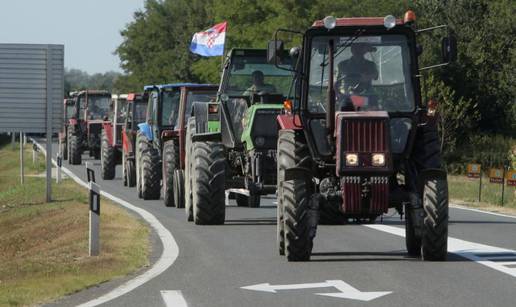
{"type": "Point", "coordinates": [449, 49]}
{"type": "Point", "coordinates": [274, 50]}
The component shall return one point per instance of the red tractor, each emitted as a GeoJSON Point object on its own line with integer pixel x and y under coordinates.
{"type": "Point", "coordinates": [135, 114]}
{"type": "Point", "coordinates": [68, 112]}
{"type": "Point", "coordinates": [91, 109]}
{"type": "Point", "coordinates": [111, 142]}
{"type": "Point", "coordinates": [359, 138]}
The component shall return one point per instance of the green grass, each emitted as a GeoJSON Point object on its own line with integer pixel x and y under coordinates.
{"type": "Point", "coordinates": [466, 190]}
{"type": "Point", "coordinates": [44, 246]}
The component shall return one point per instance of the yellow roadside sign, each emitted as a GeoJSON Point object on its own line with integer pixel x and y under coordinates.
{"type": "Point", "coordinates": [474, 170]}
{"type": "Point", "coordinates": [511, 178]}
{"type": "Point", "coordinates": [496, 175]}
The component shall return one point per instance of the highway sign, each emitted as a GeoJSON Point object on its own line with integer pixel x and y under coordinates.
{"type": "Point", "coordinates": [511, 178]}
{"type": "Point", "coordinates": [474, 170]}
{"type": "Point", "coordinates": [31, 88]}
{"type": "Point", "coordinates": [496, 175]}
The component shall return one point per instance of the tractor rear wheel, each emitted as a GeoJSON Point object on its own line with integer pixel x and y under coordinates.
{"type": "Point", "coordinates": [179, 185]}
{"type": "Point", "coordinates": [64, 149]}
{"type": "Point", "coordinates": [188, 199]}
{"type": "Point", "coordinates": [107, 158]}
{"type": "Point", "coordinates": [434, 243]}
{"type": "Point", "coordinates": [141, 145]}
{"type": "Point", "coordinates": [299, 226]}
{"type": "Point", "coordinates": [208, 183]}
{"type": "Point", "coordinates": [74, 156]}
{"type": "Point", "coordinates": [170, 164]}
{"type": "Point", "coordinates": [151, 174]}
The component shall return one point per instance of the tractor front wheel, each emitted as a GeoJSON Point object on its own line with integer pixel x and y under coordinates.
{"type": "Point", "coordinates": [74, 156]}
{"type": "Point", "coordinates": [299, 220]}
{"type": "Point", "coordinates": [252, 201]}
{"type": "Point", "coordinates": [170, 164]}
{"type": "Point", "coordinates": [208, 183]}
{"type": "Point", "coordinates": [107, 158]}
{"type": "Point", "coordinates": [434, 243]}
{"type": "Point", "coordinates": [179, 192]}
{"type": "Point", "coordinates": [150, 174]}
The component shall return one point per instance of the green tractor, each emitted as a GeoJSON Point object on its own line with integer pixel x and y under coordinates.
{"type": "Point", "coordinates": [231, 145]}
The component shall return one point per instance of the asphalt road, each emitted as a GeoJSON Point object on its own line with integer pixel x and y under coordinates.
{"type": "Point", "coordinates": [215, 262]}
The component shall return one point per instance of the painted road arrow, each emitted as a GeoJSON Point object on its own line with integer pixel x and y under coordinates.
{"type": "Point", "coordinates": [346, 290]}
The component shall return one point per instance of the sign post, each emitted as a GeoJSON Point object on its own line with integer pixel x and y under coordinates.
{"type": "Point", "coordinates": [475, 171]}
{"type": "Point", "coordinates": [94, 249]}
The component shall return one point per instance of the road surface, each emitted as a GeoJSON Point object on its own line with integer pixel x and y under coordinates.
{"type": "Point", "coordinates": [237, 264]}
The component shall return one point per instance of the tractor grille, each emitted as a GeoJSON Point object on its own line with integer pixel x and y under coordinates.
{"type": "Point", "coordinates": [365, 195]}
{"type": "Point", "coordinates": [265, 128]}
{"type": "Point", "coordinates": [364, 135]}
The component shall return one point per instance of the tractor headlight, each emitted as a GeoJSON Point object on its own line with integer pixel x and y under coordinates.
{"type": "Point", "coordinates": [259, 141]}
{"type": "Point", "coordinates": [351, 159]}
{"type": "Point", "coordinates": [378, 159]}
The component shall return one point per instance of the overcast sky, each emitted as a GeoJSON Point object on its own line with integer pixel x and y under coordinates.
{"type": "Point", "coordinates": [89, 29]}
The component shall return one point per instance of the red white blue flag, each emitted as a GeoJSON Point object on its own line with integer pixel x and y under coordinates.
{"type": "Point", "coordinates": [210, 42]}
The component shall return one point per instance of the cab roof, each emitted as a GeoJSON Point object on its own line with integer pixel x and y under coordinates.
{"type": "Point", "coordinates": [356, 21]}
{"type": "Point", "coordinates": [177, 85]}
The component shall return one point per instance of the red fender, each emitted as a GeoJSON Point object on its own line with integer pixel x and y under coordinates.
{"type": "Point", "coordinates": [289, 121]}
{"type": "Point", "coordinates": [108, 127]}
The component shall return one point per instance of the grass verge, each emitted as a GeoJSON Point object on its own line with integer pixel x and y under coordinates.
{"type": "Point", "coordinates": [44, 246]}
{"type": "Point", "coordinates": [464, 191]}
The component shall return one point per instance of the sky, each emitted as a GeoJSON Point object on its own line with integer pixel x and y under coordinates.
{"type": "Point", "coordinates": [89, 29]}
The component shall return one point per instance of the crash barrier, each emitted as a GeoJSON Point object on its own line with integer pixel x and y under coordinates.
{"type": "Point", "coordinates": [500, 175]}
{"type": "Point", "coordinates": [94, 232]}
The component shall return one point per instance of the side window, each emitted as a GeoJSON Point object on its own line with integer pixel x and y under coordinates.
{"type": "Point", "coordinates": [149, 107]}
{"type": "Point", "coordinates": [129, 116]}
{"type": "Point", "coordinates": [154, 114]}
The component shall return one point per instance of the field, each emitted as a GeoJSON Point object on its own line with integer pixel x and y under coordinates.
{"type": "Point", "coordinates": [44, 246]}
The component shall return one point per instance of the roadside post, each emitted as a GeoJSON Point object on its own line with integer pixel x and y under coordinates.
{"type": "Point", "coordinates": [58, 169]}
{"type": "Point", "coordinates": [90, 172]}
{"type": "Point", "coordinates": [496, 175]}
{"type": "Point", "coordinates": [475, 171]}
{"type": "Point", "coordinates": [94, 249]}
{"type": "Point", "coordinates": [34, 153]}
{"type": "Point", "coordinates": [22, 175]}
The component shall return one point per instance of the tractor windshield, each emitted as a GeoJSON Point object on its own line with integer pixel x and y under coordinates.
{"type": "Point", "coordinates": [98, 106]}
{"type": "Point", "coordinates": [370, 73]}
{"type": "Point", "coordinates": [122, 110]}
{"type": "Point", "coordinates": [251, 74]}
{"type": "Point", "coordinates": [198, 96]}
{"type": "Point", "coordinates": [170, 108]}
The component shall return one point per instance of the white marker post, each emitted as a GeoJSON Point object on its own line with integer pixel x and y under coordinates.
{"type": "Point", "coordinates": [34, 154]}
{"type": "Point", "coordinates": [22, 174]}
{"type": "Point", "coordinates": [58, 169]}
{"type": "Point", "coordinates": [94, 219]}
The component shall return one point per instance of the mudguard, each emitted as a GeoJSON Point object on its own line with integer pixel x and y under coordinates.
{"type": "Point", "coordinates": [289, 121]}
{"type": "Point", "coordinates": [207, 136]}
{"type": "Point", "coordinates": [146, 130]}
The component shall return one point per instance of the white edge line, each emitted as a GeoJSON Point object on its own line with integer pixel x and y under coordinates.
{"type": "Point", "coordinates": [167, 258]}
{"type": "Point", "coordinates": [173, 298]}
{"type": "Point", "coordinates": [482, 211]}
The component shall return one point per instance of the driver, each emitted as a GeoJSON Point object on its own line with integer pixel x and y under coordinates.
{"type": "Point", "coordinates": [357, 72]}
{"type": "Point", "coordinates": [259, 85]}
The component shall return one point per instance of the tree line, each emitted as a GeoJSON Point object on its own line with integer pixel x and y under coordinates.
{"type": "Point", "coordinates": [476, 94]}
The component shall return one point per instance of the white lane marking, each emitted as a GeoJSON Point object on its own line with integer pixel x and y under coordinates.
{"type": "Point", "coordinates": [476, 252]}
{"type": "Point", "coordinates": [167, 258]}
{"type": "Point", "coordinates": [345, 290]}
{"type": "Point", "coordinates": [173, 298]}
{"type": "Point", "coordinates": [482, 211]}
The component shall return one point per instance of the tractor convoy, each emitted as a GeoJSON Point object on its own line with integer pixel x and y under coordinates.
{"type": "Point", "coordinates": [338, 128]}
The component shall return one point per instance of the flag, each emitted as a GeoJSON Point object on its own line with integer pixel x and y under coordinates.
{"type": "Point", "coordinates": [211, 41]}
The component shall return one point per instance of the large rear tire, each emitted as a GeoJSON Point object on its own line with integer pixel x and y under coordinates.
{"type": "Point", "coordinates": [299, 226]}
{"type": "Point", "coordinates": [107, 159]}
{"type": "Point", "coordinates": [434, 243]}
{"type": "Point", "coordinates": [131, 173]}
{"type": "Point", "coordinates": [151, 174]}
{"type": "Point", "coordinates": [170, 164]}
{"type": "Point", "coordinates": [74, 157]}
{"type": "Point", "coordinates": [208, 178]}
{"type": "Point", "coordinates": [190, 130]}
{"type": "Point", "coordinates": [179, 192]}
{"type": "Point", "coordinates": [141, 146]}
